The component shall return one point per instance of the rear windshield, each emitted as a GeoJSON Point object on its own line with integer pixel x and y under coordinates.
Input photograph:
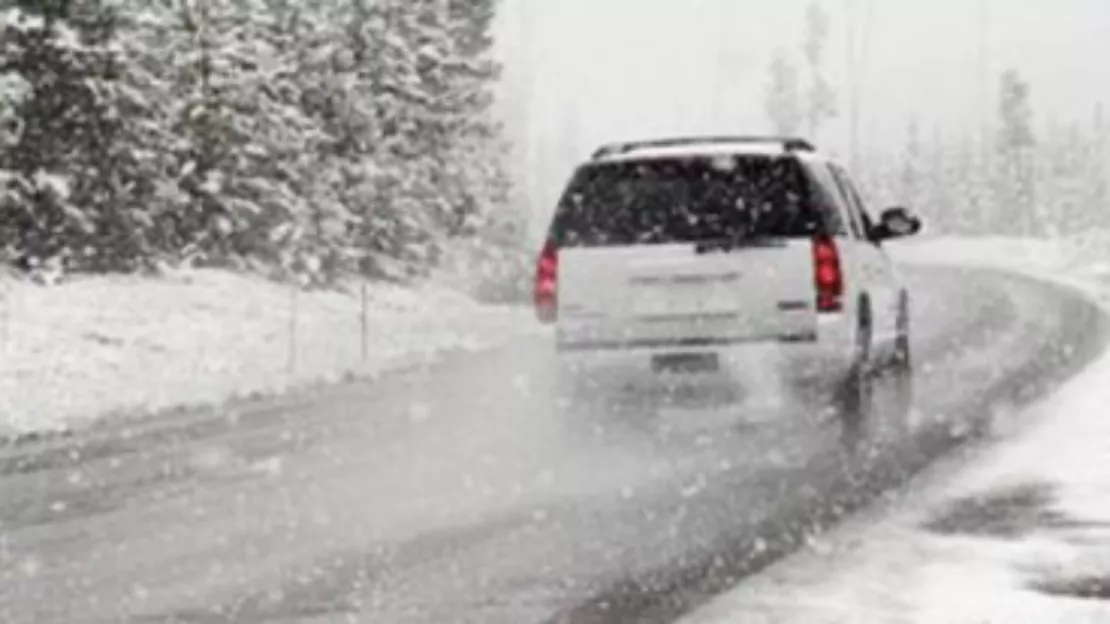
{"type": "Point", "coordinates": [697, 200]}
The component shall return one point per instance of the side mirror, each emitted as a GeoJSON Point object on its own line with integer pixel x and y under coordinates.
{"type": "Point", "coordinates": [895, 222]}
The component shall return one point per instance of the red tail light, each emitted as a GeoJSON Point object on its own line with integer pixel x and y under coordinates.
{"type": "Point", "coordinates": [828, 276]}
{"type": "Point", "coordinates": [547, 284]}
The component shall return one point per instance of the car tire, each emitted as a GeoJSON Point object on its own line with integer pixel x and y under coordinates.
{"type": "Point", "coordinates": [895, 385]}
{"type": "Point", "coordinates": [856, 394]}
{"type": "Point", "coordinates": [901, 365]}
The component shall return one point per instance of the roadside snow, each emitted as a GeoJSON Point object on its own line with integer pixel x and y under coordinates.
{"type": "Point", "coordinates": [1073, 260]}
{"type": "Point", "coordinates": [1016, 532]}
{"type": "Point", "coordinates": [104, 345]}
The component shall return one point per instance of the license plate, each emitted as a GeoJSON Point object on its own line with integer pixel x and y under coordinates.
{"type": "Point", "coordinates": [684, 302]}
{"type": "Point", "coordinates": [686, 363]}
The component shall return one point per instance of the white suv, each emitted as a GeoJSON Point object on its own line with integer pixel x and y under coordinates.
{"type": "Point", "coordinates": [703, 259]}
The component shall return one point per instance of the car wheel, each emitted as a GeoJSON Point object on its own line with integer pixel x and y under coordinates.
{"type": "Point", "coordinates": [895, 385]}
{"type": "Point", "coordinates": [902, 363]}
{"type": "Point", "coordinates": [856, 394]}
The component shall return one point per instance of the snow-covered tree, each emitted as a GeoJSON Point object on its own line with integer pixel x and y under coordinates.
{"type": "Point", "coordinates": [1015, 212]}
{"type": "Point", "coordinates": [311, 137]}
{"type": "Point", "coordinates": [782, 103]}
{"type": "Point", "coordinates": [944, 180]}
{"type": "Point", "coordinates": [820, 103]}
{"type": "Point", "coordinates": [244, 185]}
{"type": "Point", "coordinates": [912, 166]}
{"type": "Point", "coordinates": [73, 192]}
{"type": "Point", "coordinates": [13, 90]}
{"type": "Point", "coordinates": [240, 128]}
{"type": "Point", "coordinates": [1098, 172]}
{"type": "Point", "coordinates": [480, 146]}
{"type": "Point", "coordinates": [377, 106]}
{"type": "Point", "coordinates": [407, 99]}
{"type": "Point", "coordinates": [1061, 165]}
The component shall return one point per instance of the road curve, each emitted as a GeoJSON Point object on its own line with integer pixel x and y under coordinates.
{"type": "Point", "coordinates": [462, 493]}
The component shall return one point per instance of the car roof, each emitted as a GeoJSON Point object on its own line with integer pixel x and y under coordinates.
{"type": "Point", "coordinates": [709, 147]}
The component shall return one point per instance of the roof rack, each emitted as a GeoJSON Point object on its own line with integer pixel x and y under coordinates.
{"type": "Point", "coordinates": [789, 144]}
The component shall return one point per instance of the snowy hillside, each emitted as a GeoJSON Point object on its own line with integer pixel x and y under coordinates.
{"type": "Point", "coordinates": [78, 351]}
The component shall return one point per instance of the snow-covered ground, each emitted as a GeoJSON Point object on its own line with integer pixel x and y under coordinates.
{"type": "Point", "coordinates": [98, 346]}
{"type": "Point", "coordinates": [1015, 530]}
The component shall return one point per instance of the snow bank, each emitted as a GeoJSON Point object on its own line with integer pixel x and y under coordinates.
{"type": "Point", "coordinates": [1017, 532]}
{"type": "Point", "coordinates": [1066, 258]}
{"type": "Point", "coordinates": [101, 345]}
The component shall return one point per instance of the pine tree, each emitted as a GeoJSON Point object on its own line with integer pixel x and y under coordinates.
{"type": "Point", "coordinates": [1016, 165]}
{"type": "Point", "coordinates": [381, 119]}
{"type": "Point", "coordinates": [74, 192]}
{"type": "Point", "coordinates": [820, 103]}
{"type": "Point", "coordinates": [480, 147]}
{"type": "Point", "coordinates": [408, 102]}
{"type": "Point", "coordinates": [1098, 176]}
{"type": "Point", "coordinates": [245, 159]}
{"type": "Point", "coordinates": [1061, 163]}
{"type": "Point", "coordinates": [941, 180]}
{"type": "Point", "coordinates": [1074, 216]}
{"type": "Point", "coordinates": [13, 91]}
{"type": "Point", "coordinates": [782, 103]}
{"type": "Point", "coordinates": [198, 38]}
{"type": "Point", "coordinates": [308, 230]}
{"type": "Point", "coordinates": [966, 168]}
{"type": "Point", "coordinates": [912, 165]}
{"type": "Point", "coordinates": [276, 134]}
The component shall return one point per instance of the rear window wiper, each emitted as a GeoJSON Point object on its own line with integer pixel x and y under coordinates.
{"type": "Point", "coordinates": [726, 244]}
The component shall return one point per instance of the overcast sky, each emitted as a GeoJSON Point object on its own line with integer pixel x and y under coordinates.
{"type": "Point", "coordinates": [582, 72]}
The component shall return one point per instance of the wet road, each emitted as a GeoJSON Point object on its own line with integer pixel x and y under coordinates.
{"type": "Point", "coordinates": [463, 493]}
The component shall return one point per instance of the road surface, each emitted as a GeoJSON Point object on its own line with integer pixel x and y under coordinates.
{"type": "Point", "coordinates": [464, 493]}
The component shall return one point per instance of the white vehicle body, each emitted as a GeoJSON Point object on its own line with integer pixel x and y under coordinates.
{"type": "Point", "coordinates": [812, 298]}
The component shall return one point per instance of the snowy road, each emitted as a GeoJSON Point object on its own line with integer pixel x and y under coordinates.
{"type": "Point", "coordinates": [462, 494]}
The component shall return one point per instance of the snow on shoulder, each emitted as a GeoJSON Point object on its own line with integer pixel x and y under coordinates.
{"type": "Point", "coordinates": [95, 346]}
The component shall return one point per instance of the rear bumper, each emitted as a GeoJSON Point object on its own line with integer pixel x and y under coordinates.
{"type": "Point", "coordinates": [723, 343]}
{"type": "Point", "coordinates": [747, 363]}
